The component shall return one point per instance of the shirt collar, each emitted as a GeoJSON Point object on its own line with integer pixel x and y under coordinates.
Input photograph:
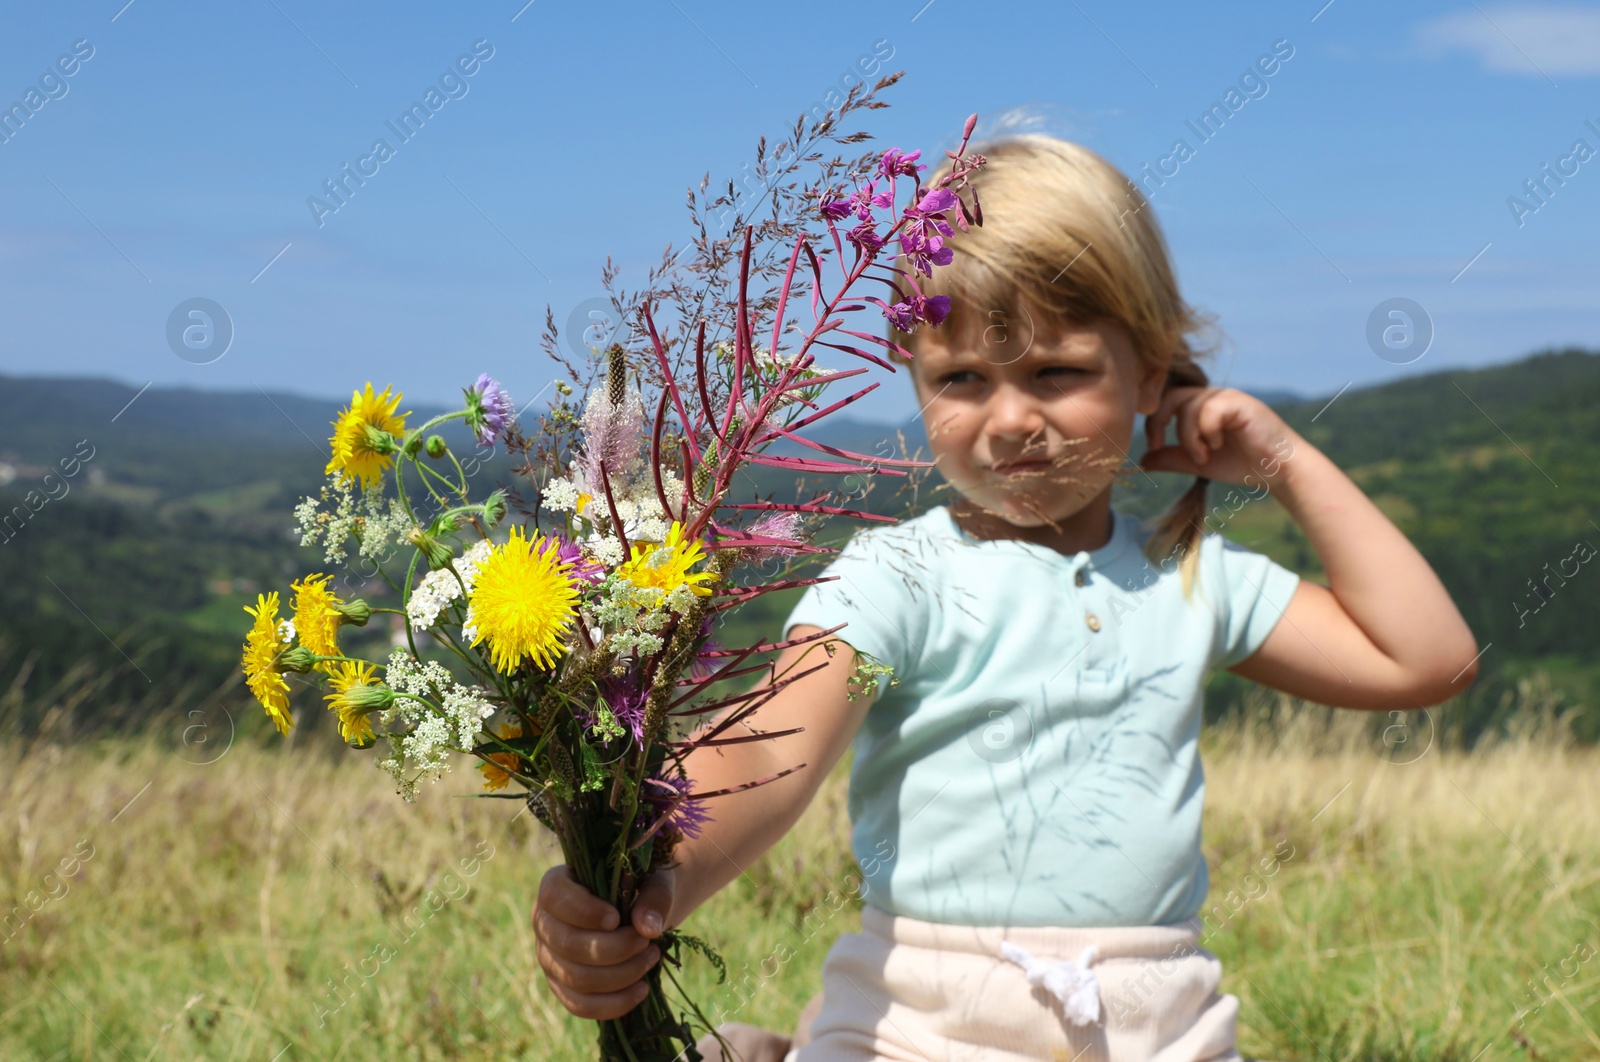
{"type": "Point", "coordinates": [1094, 560]}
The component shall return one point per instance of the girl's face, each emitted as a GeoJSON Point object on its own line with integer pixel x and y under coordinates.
{"type": "Point", "coordinates": [1065, 404]}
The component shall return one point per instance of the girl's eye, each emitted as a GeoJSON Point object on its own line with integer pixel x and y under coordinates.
{"type": "Point", "coordinates": [957, 377]}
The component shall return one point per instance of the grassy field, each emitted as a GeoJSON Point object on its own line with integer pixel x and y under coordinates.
{"type": "Point", "coordinates": [264, 901]}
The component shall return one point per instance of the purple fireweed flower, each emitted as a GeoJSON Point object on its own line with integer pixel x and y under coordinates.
{"type": "Point", "coordinates": [865, 236]}
{"type": "Point", "coordinates": [835, 209]}
{"type": "Point", "coordinates": [936, 201]}
{"type": "Point", "coordinates": [489, 409]}
{"type": "Point", "coordinates": [933, 309]}
{"type": "Point", "coordinates": [670, 796]}
{"type": "Point", "coordinates": [906, 315]}
{"type": "Point", "coordinates": [896, 162]}
{"type": "Point", "coordinates": [923, 234]}
{"type": "Point", "coordinates": [867, 197]}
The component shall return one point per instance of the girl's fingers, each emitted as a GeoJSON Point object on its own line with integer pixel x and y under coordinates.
{"type": "Point", "coordinates": [1189, 426]}
{"type": "Point", "coordinates": [562, 895]}
{"type": "Point", "coordinates": [599, 1007]}
{"type": "Point", "coordinates": [594, 947]}
{"type": "Point", "coordinates": [586, 979]}
{"type": "Point", "coordinates": [1172, 401]}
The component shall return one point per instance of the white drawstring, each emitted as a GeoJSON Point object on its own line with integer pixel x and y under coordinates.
{"type": "Point", "coordinates": [1073, 983]}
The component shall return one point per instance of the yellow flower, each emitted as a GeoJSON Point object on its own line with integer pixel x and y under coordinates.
{"type": "Point", "coordinates": [351, 679]}
{"type": "Point", "coordinates": [583, 499]}
{"type": "Point", "coordinates": [353, 453]}
{"type": "Point", "coordinates": [259, 661]}
{"type": "Point", "coordinates": [673, 571]}
{"type": "Point", "coordinates": [522, 602]}
{"type": "Point", "coordinates": [494, 774]}
{"type": "Point", "coordinates": [316, 616]}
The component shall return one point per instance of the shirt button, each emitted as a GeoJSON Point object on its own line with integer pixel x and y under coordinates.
{"type": "Point", "coordinates": [1078, 579]}
{"type": "Point", "coordinates": [1092, 620]}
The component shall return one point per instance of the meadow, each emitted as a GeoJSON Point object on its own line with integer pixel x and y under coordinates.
{"type": "Point", "coordinates": [193, 895]}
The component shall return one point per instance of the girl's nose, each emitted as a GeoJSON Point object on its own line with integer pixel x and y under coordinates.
{"type": "Point", "coordinates": [1013, 414]}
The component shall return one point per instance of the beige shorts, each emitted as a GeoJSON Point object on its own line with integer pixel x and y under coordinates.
{"type": "Point", "coordinates": [915, 991]}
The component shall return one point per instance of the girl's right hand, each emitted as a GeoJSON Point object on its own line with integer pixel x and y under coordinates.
{"type": "Point", "coordinates": [594, 965]}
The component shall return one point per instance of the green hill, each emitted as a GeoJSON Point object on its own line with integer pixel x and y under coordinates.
{"type": "Point", "coordinates": [134, 526]}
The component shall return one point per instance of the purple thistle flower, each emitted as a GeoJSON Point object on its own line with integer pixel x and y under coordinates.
{"type": "Point", "coordinates": [896, 162]}
{"type": "Point", "coordinates": [583, 569]}
{"type": "Point", "coordinates": [625, 697]}
{"type": "Point", "coordinates": [703, 665]}
{"type": "Point", "coordinates": [670, 797]}
{"type": "Point", "coordinates": [489, 409]}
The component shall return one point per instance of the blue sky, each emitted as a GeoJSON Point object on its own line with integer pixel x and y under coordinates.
{"type": "Point", "coordinates": [177, 160]}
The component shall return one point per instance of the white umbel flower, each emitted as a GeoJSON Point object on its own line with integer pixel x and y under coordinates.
{"type": "Point", "coordinates": [440, 587]}
{"type": "Point", "coordinates": [455, 726]}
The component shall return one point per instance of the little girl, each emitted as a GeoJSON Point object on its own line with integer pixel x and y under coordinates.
{"type": "Point", "coordinates": [1028, 791]}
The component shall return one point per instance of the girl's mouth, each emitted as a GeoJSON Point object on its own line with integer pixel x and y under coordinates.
{"type": "Point", "coordinates": [1009, 468]}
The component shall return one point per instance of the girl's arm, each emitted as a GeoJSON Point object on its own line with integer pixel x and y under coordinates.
{"type": "Point", "coordinates": [745, 824]}
{"type": "Point", "coordinates": [595, 964]}
{"type": "Point", "coordinates": [1384, 633]}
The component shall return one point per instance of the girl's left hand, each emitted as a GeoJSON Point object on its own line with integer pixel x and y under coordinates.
{"type": "Point", "coordinates": [1223, 434]}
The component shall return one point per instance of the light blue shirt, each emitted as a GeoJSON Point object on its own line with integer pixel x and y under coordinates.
{"type": "Point", "coordinates": [1037, 764]}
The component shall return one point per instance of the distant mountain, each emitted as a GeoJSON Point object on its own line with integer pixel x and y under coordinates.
{"type": "Point", "coordinates": [133, 525]}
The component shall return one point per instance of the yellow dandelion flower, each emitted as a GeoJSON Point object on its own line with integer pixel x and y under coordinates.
{"type": "Point", "coordinates": [350, 680]}
{"type": "Point", "coordinates": [494, 774]}
{"type": "Point", "coordinates": [316, 615]}
{"type": "Point", "coordinates": [353, 453]}
{"type": "Point", "coordinates": [673, 571]}
{"type": "Point", "coordinates": [522, 602]}
{"type": "Point", "coordinates": [259, 661]}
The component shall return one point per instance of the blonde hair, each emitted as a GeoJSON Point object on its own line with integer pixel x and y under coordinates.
{"type": "Point", "coordinates": [1067, 238]}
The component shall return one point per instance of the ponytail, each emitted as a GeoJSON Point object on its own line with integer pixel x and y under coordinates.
{"type": "Point", "coordinates": [1182, 526]}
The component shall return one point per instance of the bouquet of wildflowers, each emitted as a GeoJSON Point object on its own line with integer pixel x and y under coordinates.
{"type": "Point", "coordinates": [566, 644]}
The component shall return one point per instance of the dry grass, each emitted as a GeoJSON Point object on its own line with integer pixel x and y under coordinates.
{"type": "Point", "coordinates": [221, 904]}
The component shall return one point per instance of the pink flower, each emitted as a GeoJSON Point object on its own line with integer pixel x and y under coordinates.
{"type": "Point", "coordinates": [865, 236]}
{"type": "Point", "coordinates": [894, 162]}
{"type": "Point", "coordinates": [866, 198]}
{"type": "Point", "coordinates": [919, 308]}
{"type": "Point", "coordinates": [835, 209]}
{"type": "Point", "coordinates": [923, 235]}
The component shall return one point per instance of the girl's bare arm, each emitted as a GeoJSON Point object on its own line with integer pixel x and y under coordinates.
{"type": "Point", "coordinates": [745, 824]}
{"type": "Point", "coordinates": [594, 962]}
{"type": "Point", "coordinates": [1383, 634]}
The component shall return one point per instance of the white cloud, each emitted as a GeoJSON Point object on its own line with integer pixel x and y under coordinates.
{"type": "Point", "coordinates": [1534, 40]}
